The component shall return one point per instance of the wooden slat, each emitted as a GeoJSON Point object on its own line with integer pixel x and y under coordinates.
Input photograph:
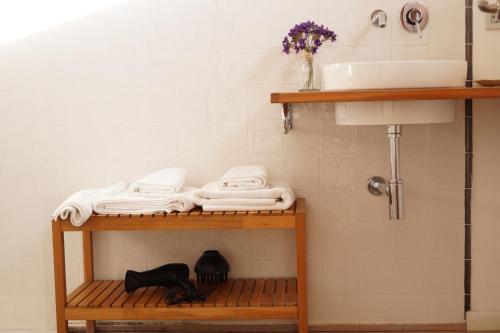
{"type": "Point", "coordinates": [386, 95]}
{"type": "Point", "coordinates": [77, 291]}
{"type": "Point", "coordinates": [130, 302]}
{"type": "Point", "coordinates": [94, 294]}
{"type": "Point", "coordinates": [141, 302]}
{"type": "Point", "coordinates": [114, 295]}
{"type": "Point", "coordinates": [277, 212]}
{"type": "Point", "coordinates": [242, 213]}
{"type": "Point", "coordinates": [206, 214]}
{"type": "Point", "coordinates": [268, 295]}
{"type": "Point", "coordinates": [106, 293]}
{"type": "Point", "coordinates": [198, 303]}
{"type": "Point", "coordinates": [195, 212]}
{"type": "Point", "coordinates": [224, 293]}
{"type": "Point", "coordinates": [257, 292]}
{"type": "Point", "coordinates": [118, 303]}
{"type": "Point", "coordinates": [279, 295]}
{"type": "Point", "coordinates": [246, 293]}
{"type": "Point", "coordinates": [236, 292]}
{"type": "Point", "coordinates": [156, 298]}
{"type": "Point", "coordinates": [210, 301]}
{"type": "Point", "coordinates": [81, 296]}
{"type": "Point", "coordinates": [291, 292]}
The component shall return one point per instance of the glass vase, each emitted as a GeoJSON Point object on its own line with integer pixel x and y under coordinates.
{"type": "Point", "coordinates": [309, 75]}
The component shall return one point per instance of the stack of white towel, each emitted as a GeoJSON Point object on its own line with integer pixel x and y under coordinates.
{"type": "Point", "coordinates": [158, 192]}
{"type": "Point", "coordinates": [244, 188]}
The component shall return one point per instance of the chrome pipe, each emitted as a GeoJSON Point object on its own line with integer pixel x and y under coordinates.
{"type": "Point", "coordinates": [396, 209]}
{"type": "Point", "coordinates": [393, 187]}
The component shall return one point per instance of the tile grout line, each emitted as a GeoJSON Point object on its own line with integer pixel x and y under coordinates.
{"type": "Point", "coordinates": [468, 156]}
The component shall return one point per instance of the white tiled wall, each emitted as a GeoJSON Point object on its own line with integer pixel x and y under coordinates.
{"type": "Point", "coordinates": [148, 84]}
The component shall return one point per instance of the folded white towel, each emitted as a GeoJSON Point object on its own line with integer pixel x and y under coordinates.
{"type": "Point", "coordinates": [159, 183]}
{"type": "Point", "coordinates": [278, 196]}
{"type": "Point", "coordinates": [78, 207]}
{"type": "Point", "coordinates": [124, 203]}
{"type": "Point", "coordinates": [245, 177]}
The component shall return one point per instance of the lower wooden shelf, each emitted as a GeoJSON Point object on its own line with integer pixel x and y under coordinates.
{"type": "Point", "coordinates": [272, 298]}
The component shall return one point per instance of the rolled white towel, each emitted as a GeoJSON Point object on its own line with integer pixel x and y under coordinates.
{"type": "Point", "coordinates": [124, 203]}
{"type": "Point", "coordinates": [245, 177]}
{"type": "Point", "coordinates": [278, 196]}
{"type": "Point", "coordinates": [78, 207]}
{"type": "Point", "coordinates": [159, 183]}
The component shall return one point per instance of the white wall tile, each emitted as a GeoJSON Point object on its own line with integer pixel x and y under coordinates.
{"type": "Point", "coordinates": [410, 276]}
{"type": "Point", "coordinates": [375, 276]}
{"type": "Point", "coordinates": [410, 308]}
{"type": "Point", "coordinates": [375, 309]}
{"type": "Point", "coordinates": [345, 283]}
{"type": "Point", "coordinates": [374, 242]}
{"type": "Point", "coordinates": [411, 240]}
{"type": "Point", "coordinates": [29, 279]}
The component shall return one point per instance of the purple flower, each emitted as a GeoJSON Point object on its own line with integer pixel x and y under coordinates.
{"type": "Point", "coordinates": [307, 36]}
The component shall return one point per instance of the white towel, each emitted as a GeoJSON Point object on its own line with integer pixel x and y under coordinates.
{"type": "Point", "coordinates": [245, 177]}
{"type": "Point", "coordinates": [125, 203]}
{"type": "Point", "coordinates": [78, 207]}
{"type": "Point", "coordinates": [159, 183]}
{"type": "Point", "coordinates": [278, 196]}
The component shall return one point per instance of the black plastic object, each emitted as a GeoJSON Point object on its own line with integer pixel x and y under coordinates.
{"type": "Point", "coordinates": [163, 276]}
{"type": "Point", "coordinates": [185, 291]}
{"type": "Point", "coordinates": [212, 267]}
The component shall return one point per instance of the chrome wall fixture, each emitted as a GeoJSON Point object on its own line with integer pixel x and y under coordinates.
{"type": "Point", "coordinates": [414, 17]}
{"type": "Point", "coordinates": [379, 18]}
{"type": "Point", "coordinates": [286, 117]}
{"type": "Point", "coordinates": [486, 7]}
{"type": "Point", "coordinates": [393, 187]}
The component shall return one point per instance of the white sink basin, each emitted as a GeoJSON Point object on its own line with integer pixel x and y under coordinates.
{"type": "Point", "coordinates": [393, 75]}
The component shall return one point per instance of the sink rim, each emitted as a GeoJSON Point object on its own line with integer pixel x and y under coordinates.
{"type": "Point", "coordinates": [389, 74]}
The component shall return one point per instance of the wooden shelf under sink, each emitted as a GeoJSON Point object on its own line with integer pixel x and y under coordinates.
{"type": "Point", "coordinates": [385, 95]}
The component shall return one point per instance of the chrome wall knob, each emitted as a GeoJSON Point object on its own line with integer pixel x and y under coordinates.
{"type": "Point", "coordinates": [379, 18]}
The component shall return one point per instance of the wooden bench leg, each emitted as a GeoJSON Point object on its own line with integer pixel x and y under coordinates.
{"type": "Point", "coordinates": [59, 276]}
{"type": "Point", "coordinates": [300, 232]}
{"type": "Point", "coordinates": [88, 269]}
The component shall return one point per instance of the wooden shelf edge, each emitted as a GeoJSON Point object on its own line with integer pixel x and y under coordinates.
{"type": "Point", "coordinates": [193, 220]}
{"type": "Point", "coordinates": [182, 313]}
{"type": "Point", "coordinates": [150, 223]}
{"type": "Point", "coordinates": [386, 95]}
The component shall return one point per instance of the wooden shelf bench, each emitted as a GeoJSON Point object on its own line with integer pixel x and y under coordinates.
{"type": "Point", "coordinates": [239, 299]}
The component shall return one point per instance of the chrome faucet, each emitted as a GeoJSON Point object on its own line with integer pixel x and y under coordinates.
{"type": "Point", "coordinates": [486, 7]}
{"type": "Point", "coordinates": [414, 17]}
{"type": "Point", "coordinates": [392, 188]}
